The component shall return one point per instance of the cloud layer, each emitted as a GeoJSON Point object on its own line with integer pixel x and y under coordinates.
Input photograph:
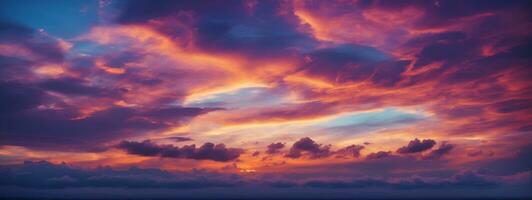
{"type": "Point", "coordinates": [300, 95]}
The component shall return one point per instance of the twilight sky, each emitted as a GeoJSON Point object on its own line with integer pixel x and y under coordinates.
{"type": "Point", "coordinates": [270, 99]}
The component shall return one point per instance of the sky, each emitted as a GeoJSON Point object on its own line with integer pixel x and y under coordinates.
{"type": "Point", "coordinates": [265, 99]}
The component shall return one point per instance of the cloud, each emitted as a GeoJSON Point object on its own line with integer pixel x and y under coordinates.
{"type": "Point", "coordinates": [416, 146]}
{"type": "Point", "coordinates": [310, 148]}
{"type": "Point", "coordinates": [352, 150]}
{"type": "Point", "coordinates": [274, 148]}
{"type": "Point", "coordinates": [41, 47]}
{"type": "Point", "coordinates": [343, 63]}
{"type": "Point", "coordinates": [505, 166]}
{"type": "Point", "coordinates": [456, 51]}
{"type": "Point", "coordinates": [16, 97]}
{"type": "Point", "coordinates": [465, 179]}
{"type": "Point", "coordinates": [45, 175]}
{"type": "Point", "coordinates": [224, 27]}
{"type": "Point", "coordinates": [56, 128]}
{"type": "Point", "coordinates": [388, 74]}
{"type": "Point", "coordinates": [207, 151]}
{"type": "Point", "coordinates": [36, 118]}
{"type": "Point", "coordinates": [378, 155]}
{"type": "Point", "coordinates": [180, 138]}
{"type": "Point", "coordinates": [463, 111]}
{"type": "Point", "coordinates": [77, 87]}
{"type": "Point", "coordinates": [513, 105]}
{"type": "Point", "coordinates": [443, 150]}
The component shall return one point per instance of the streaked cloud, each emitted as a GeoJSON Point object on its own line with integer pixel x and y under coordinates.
{"type": "Point", "coordinates": [340, 97]}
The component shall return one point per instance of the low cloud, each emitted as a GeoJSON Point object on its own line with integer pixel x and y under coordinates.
{"type": "Point", "coordinates": [309, 147]}
{"type": "Point", "coordinates": [44, 175]}
{"type": "Point", "coordinates": [378, 155]}
{"type": "Point", "coordinates": [207, 151]}
{"type": "Point", "coordinates": [465, 179]}
{"type": "Point", "coordinates": [416, 146]}
{"type": "Point", "coordinates": [274, 148]}
{"type": "Point", "coordinates": [444, 149]}
{"type": "Point", "coordinates": [352, 150]}
{"type": "Point", "coordinates": [180, 139]}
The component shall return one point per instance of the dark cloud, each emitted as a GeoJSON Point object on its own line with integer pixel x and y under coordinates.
{"type": "Point", "coordinates": [463, 111]}
{"type": "Point", "coordinates": [45, 175]}
{"type": "Point", "coordinates": [57, 128]}
{"type": "Point", "coordinates": [513, 105]}
{"type": "Point", "coordinates": [121, 59]}
{"type": "Point", "coordinates": [144, 148]}
{"type": "Point", "coordinates": [466, 179]}
{"type": "Point", "coordinates": [444, 149]}
{"type": "Point", "coordinates": [343, 63]}
{"type": "Point", "coordinates": [15, 97]}
{"type": "Point", "coordinates": [388, 165]}
{"type": "Point", "coordinates": [443, 37]}
{"type": "Point", "coordinates": [11, 32]}
{"type": "Point", "coordinates": [274, 148]}
{"type": "Point", "coordinates": [352, 150]}
{"type": "Point", "coordinates": [180, 138]}
{"type": "Point", "coordinates": [378, 155]}
{"type": "Point", "coordinates": [27, 121]}
{"type": "Point", "coordinates": [225, 26]}
{"type": "Point", "coordinates": [356, 183]}
{"type": "Point", "coordinates": [143, 10]}
{"type": "Point", "coordinates": [475, 153]}
{"type": "Point", "coordinates": [75, 87]}
{"type": "Point", "coordinates": [44, 46]}
{"type": "Point", "coordinates": [516, 58]}
{"type": "Point", "coordinates": [388, 74]}
{"type": "Point", "coordinates": [443, 13]}
{"type": "Point", "coordinates": [255, 34]}
{"type": "Point", "coordinates": [12, 68]}
{"type": "Point", "coordinates": [450, 53]}
{"type": "Point", "coordinates": [207, 151]}
{"type": "Point", "coordinates": [255, 37]}
{"type": "Point", "coordinates": [416, 146]}
{"type": "Point", "coordinates": [518, 163]}
{"type": "Point", "coordinates": [312, 149]}
{"type": "Point", "coordinates": [355, 63]}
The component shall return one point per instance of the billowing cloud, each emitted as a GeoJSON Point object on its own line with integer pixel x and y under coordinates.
{"type": "Point", "coordinates": [442, 150]}
{"type": "Point", "coordinates": [416, 146]}
{"type": "Point", "coordinates": [207, 151]}
{"type": "Point", "coordinates": [307, 147]}
{"type": "Point", "coordinates": [274, 148]}
{"type": "Point", "coordinates": [351, 150]}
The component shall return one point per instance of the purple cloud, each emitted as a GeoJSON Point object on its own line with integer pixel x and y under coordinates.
{"type": "Point", "coordinates": [207, 151]}
{"type": "Point", "coordinates": [416, 146]}
{"type": "Point", "coordinates": [274, 148]}
{"type": "Point", "coordinates": [444, 149]}
{"type": "Point", "coordinates": [311, 148]}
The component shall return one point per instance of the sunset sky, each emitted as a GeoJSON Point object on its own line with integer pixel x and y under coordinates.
{"type": "Point", "coordinates": [269, 99]}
